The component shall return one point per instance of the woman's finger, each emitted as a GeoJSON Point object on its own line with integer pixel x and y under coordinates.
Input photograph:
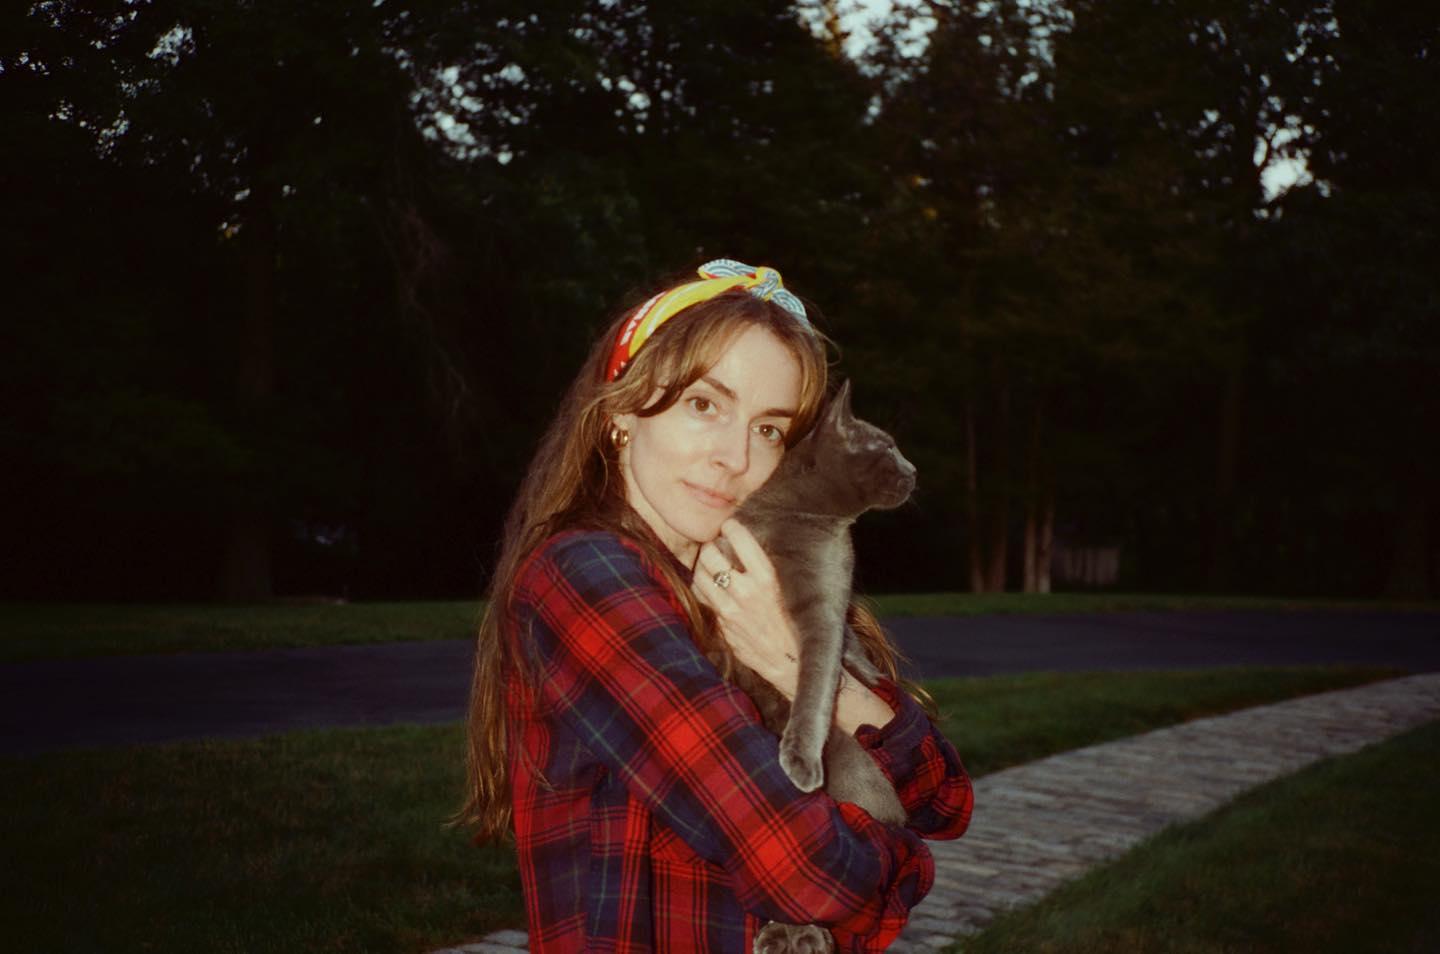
{"type": "Point", "coordinates": [712, 594]}
{"type": "Point", "coordinates": [747, 549]}
{"type": "Point", "coordinates": [716, 566]}
{"type": "Point", "coordinates": [711, 559]}
{"type": "Point", "coordinates": [710, 565]}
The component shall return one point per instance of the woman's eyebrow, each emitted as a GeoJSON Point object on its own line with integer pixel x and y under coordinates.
{"type": "Point", "coordinates": [731, 395]}
{"type": "Point", "coordinates": [721, 387]}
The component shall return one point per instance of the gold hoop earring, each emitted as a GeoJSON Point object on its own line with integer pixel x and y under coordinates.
{"type": "Point", "coordinates": [619, 436]}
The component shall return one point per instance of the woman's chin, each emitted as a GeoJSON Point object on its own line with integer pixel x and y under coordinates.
{"type": "Point", "coordinates": [705, 529]}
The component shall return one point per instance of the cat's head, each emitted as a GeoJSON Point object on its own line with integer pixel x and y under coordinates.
{"type": "Point", "coordinates": [858, 462]}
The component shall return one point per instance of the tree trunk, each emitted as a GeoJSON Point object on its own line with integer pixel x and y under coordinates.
{"type": "Point", "coordinates": [972, 504]}
{"type": "Point", "coordinates": [834, 32]}
{"type": "Point", "coordinates": [1000, 500]}
{"type": "Point", "coordinates": [245, 574]}
{"type": "Point", "coordinates": [1034, 505]}
{"type": "Point", "coordinates": [1226, 457]}
{"type": "Point", "coordinates": [1409, 575]}
{"type": "Point", "coordinates": [1032, 544]}
{"type": "Point", "coordinates": [1044, 496]}
{"type": "Point", "coordinates": [1047, 541]}
{"type": "Point", "coordinates": [999, 549]}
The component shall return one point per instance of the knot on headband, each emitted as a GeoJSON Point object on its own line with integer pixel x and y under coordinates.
{"type": "Point", "coordinates": [716, 277]}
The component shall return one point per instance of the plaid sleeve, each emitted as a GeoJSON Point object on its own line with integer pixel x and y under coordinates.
{"type": "Point", "coordinates": [618, 667]}
{"type": "Point", "coordinates": [923, 766]}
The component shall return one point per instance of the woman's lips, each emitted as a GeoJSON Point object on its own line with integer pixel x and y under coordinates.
{"type": "Point", "coordinates": [710, 498]}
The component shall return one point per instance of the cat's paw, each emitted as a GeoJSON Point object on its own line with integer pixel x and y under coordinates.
{"type": "Point", "coordinates": [776, 938]}
{"type": "Point", "coordinates": [807, 771]}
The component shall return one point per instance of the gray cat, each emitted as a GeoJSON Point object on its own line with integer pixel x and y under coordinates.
{"type": "Point", "coordinates": [802, 517]}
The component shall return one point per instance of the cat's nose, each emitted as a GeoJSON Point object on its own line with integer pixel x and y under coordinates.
{"type": "Point", "coordinates": [906, 470]}
{"type": "Point", "coordinates": [907, 478]}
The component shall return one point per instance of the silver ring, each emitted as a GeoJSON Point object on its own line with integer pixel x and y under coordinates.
{"type": "Point", "coordinates": [722, 579]}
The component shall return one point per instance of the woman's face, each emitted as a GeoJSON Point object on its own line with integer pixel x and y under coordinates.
{"type": "Point", "coordinates": [687, 468]}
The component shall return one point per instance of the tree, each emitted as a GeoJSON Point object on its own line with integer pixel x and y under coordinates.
{"type": "Point", "coordinates": [422, 202]}
{"type": "Point", "coordinates": [230, 141]}
{"type": "Point", "coordinates": [959, 118]}
{"type": "Point", "coordinates": [1352, 306]}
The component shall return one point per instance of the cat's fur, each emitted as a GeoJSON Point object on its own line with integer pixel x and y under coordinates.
{"type": "Point", "coordinates": [801, 517]}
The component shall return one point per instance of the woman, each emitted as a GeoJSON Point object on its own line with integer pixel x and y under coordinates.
{"type": "Point", "coordinates": [647, 801]}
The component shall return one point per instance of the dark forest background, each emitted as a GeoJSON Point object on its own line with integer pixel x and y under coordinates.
{"type": "Point", "coordinates": [292, 286]}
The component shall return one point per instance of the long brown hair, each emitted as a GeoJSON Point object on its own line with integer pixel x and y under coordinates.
{"type": "Point", "coordinates": [574, 482]}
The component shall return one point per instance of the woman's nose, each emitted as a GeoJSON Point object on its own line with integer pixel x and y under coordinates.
{"type": "Point", "coordinates": [731, 450]}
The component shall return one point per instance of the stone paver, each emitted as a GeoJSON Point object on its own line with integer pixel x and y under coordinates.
{"type": "Point", "coordinates": [1040, 824]}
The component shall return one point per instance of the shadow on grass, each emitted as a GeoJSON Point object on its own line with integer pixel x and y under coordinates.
{"type": "Point", "coordinates": [315, 841]}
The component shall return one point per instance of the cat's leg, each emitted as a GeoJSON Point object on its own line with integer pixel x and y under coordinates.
{"type": "Point", "coordinates": [821, 627]}
{"type": "Point", "coordinates": [851, 775]}
{"type": "Point", "coordinates": [856, 660]}
{"type": "Point", "coordinates": [777, 938]}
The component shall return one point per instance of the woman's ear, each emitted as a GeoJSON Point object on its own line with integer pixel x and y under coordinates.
{"type": "Point", "coordinates": [620, 428]}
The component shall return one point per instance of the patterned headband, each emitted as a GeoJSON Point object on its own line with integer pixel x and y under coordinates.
{"type": "Point", "coordinates": [716, 277]}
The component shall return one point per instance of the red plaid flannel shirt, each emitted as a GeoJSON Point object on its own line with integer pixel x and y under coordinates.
{"type": "Point", "coordinates": [651, 811]}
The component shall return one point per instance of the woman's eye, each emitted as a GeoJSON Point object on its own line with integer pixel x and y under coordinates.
{"type": "Point", "coordinates": [701, 405]}
{"type": "Point", "coordinates": [770, 433]}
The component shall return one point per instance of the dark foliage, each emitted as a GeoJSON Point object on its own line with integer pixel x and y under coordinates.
{"type": "Point", "coordinates": [292, 287]}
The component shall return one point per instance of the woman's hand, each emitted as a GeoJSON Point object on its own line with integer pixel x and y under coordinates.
{"type": "Point", "coordinates": [758, 631]}
{"type": "Point", "coordinates": [752, 614]}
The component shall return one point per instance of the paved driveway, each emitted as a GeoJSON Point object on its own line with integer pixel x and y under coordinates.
{"type": "Point", "coordinates": [124, 700]}
{"type": "Point", "coordinates": [982, 646]}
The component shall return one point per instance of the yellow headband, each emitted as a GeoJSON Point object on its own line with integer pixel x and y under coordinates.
{"type": "Point", "coordinates": [718, 276]}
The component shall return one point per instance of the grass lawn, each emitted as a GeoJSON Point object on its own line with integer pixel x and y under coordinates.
{"type": "Point", "coordinates": [333, 840]}
{"type": "Point", "coordinates": [39, 631]}
{"type": "Point", "coordinates": [999, 721]}
{"type": "Point", "coordinates": [1343, 856]}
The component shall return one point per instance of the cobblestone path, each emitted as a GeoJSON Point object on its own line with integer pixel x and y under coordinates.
{"type": "Point", "coordinates": [1045, 822]}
